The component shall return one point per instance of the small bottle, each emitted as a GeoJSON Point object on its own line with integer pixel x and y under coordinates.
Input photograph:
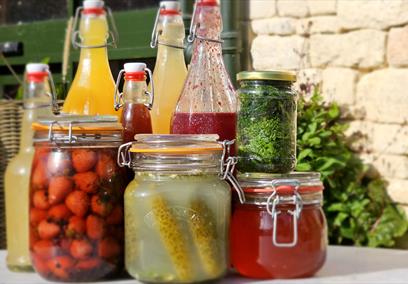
{"type": "Point", "coordinates": [170, 70]}
{"type": "Point", "coordinates": [37, 102]}
{"type": "Point", "coordinates": [92, 89]}
{"type": "Point", "coordinates": [135, 99]}
{"type": "Point", "coordinates": [208, 103]}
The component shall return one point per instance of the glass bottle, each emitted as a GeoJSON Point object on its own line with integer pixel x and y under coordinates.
{"type": "Point", "coordinates": [208, 102]}
{"type": "Point", "coordinates": [92, 89]}
{"type": "Point", "coordinates": [170, 70]}
{"type": "Point", "coordinates": [135, 99]}
{"type": "Point", "coordinates": [37, 102]}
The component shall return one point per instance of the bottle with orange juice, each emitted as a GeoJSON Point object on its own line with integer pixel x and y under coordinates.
{"type": "Point", "coordinates": [91, 92]}
{"type": "Point", "coordinates": [170, 70]}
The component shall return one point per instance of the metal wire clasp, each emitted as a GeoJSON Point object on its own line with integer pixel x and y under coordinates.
{"type": "Point", "coordinates": [124, 158]}
{"type": "Point", "coordinates": [118, 96]}
{"type": "Point", "coordinates": [155, 33]}
{"type": "Point", "coordinates": [227, 168]}
{"type": "Point", "coordinates": [113, 31]}
{"type": "Point", "coordinates": [272, 203]}
{"type": "Point", "coordinates": [193, 29]}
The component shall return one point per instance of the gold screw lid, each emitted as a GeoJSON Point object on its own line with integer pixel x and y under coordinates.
{"type": "Point", "coordinates": [274, 75]}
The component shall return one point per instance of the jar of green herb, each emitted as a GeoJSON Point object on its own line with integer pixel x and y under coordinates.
{"type": "Point", "coordinates": [267, 122]}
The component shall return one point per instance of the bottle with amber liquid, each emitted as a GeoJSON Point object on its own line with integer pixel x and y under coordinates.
{"type": "Point", "coordinates": [135, 99]}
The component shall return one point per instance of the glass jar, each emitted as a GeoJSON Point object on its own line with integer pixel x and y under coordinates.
{"type": "Point", "coordinates": [266, 137]}
{"type": "Point", "coordinates": [177, 208]}
{"type": "Point", "coordinates": [280, 231]}
{"type": "Point", "coordinates": [76, 199]}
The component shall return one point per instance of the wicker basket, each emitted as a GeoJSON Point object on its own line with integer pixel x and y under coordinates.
{"type": "Point", "coordinates": [10, 117]}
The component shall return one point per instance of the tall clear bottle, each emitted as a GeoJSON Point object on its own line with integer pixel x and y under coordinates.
{"type": "Point", "coordinates": [208, 102]}
{"type": "Point", "coordinates": [37, 102]}
{"type": "Point", "coordinates": [91, 92]}
{"type": "Point", "coordinates": [135, 99]}
{"type": "Point", "coordinates": [170, 70]}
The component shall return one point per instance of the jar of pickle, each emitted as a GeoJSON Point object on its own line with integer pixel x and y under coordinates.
{"type": "Point", "coordinates": [76, 199]}
{"type": "Point", "coordinates": [266, 135]}
{"type": "Point", "coordinates": [177, 208]}
{"type": "Point", "coordinates": [280, 231]}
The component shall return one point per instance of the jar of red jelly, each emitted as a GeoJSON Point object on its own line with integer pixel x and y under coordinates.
{"type": "Point", "coordinates": [280, 230]}
{"type": "Point", "coordinates": [76, 198]}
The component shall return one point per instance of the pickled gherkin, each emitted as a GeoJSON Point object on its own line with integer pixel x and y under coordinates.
{"type": "Point", "coordinates": [204, 232]}
{"type": "Point", "coordinates": [172, 237]}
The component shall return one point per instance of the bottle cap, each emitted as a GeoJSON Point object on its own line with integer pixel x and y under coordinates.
{"type": "Point", "coordinates": [92, 4]}
{"type": "Point", "coordinates": [170, 5]}
{"type": "Point", "coordinates": [207, 3]}
{"type": "Point", "coordinates": [134, 67]}
{"type": "Point", "coordinates": [37, 67]}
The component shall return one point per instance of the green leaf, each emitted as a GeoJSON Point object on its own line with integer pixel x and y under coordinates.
{"type": "Point", "coordinates": [303, 167]}
{"type": "Point", "coordinates": [303, 154]}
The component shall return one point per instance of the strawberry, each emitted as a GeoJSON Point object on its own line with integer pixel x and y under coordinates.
{"type": "Point", "coordinates": [37, 215]}
{"type": "Point", "coordinates": [83, 160]}
{"type": "Point", "coordinates": [81, 249]}
{"type": "Point", "coordinates": [89, 264]}
{"type": "Point", "coordinates": [101, 206]}
{"type": "Point", "coordinates": [76, 226]}
{"type": "Point", "coordinates": [65, 245]}
{"type": "Point", "coordinates": [116, 216]}
{"type": "Point", "coordinates": [48, 230]}
{"type": "Point", "coordinates": [59, 188]}
{"type": "Point", "coordinates": [106, 166]}
{"type": "Point", "coordinates": [40, 266]}
{"type": "Point", "coordinates": [39, 177]}
{"type": "Point", "coordinates": [95, 227]}
{"type": "Point", "coordinates": [59, 212]}
{"type": "Point", "coordinates": [40, 200]}
{"type": "Point", "coordinates": [108, 248]}
{"type": "Point", "coordinates": [45, 249]}
{"type": "Point", "coordinates": [59, 163]}
{"type": "Point", "coordinates": [87, 181]}
{"type": "Point", "coordinates": [61, 266]}
{"type": "Point", "coordinates": [78, 202]}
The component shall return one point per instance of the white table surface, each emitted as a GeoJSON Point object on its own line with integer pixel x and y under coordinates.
{"type": "Point", "coordinates": [343, 265]}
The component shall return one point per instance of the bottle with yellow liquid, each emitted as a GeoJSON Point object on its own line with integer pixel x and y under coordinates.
{"type": "Point", "coordinates": [170, 70]}
{"type": "Point", "coordinates": [37, 102]}
{"type": "Point", "coordinates": [91, 92]}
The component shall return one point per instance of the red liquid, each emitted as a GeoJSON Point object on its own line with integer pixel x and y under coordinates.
{"type": "Point", "coordinates": [135, 120]}
{"type": "Point", "coordinates": [253, 254]}
{"type": "Point", "coordinates": [221, 123]}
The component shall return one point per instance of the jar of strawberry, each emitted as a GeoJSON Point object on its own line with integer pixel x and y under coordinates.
{"type": "Point", "coordinates": [76, 198]}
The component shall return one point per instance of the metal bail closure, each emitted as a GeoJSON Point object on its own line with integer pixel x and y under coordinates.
{"type": "Point", "coordinates": [272, 208]}
{"type": "Point", "coordinates": [53, 95]}
{"type": "Point", "coordinates": [113, 31]}
{"type": "Point", "coordinates": [155, 33]}
{"type": "Point", "coordinates": [124, 157]}
{"type": "Point", "coordinates": [227, 168]}
{"type": "Point", "coordinates": [118, 96]}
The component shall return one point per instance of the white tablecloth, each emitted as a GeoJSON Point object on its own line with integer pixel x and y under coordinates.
{"type": "Point", "coordinates": [343, 265]}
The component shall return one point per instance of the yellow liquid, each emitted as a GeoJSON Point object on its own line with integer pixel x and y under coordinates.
{"type": "Point", "coordinates": [169, 75]}
{"type": "Point", "coordinates": [17, 178]}
{"type": "Point", "coordinates": [92, 90]}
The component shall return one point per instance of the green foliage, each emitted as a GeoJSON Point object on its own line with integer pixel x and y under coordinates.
{"type": "Point", "coordinates": [358, 208]}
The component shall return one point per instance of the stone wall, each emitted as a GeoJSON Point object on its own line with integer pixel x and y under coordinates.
{"type": "Point", "coordinates": [358, 51]}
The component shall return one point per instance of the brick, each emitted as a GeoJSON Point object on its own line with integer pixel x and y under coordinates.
{"type": "Point", "coordinates": [259, 9]}
{"type": "Point", "coordinates": [398, 190]}
{"type": "Point", "coordinates": [376, 14]}
{"type": "Point", "coordinates": [314, 25]}
{"type": "Point", "coordinates": [275, 52]}
{"type": "Point", "coordinates": [397, 49]}
{"type": "Point", "coordinates": [383, 95]}
{"type": "Point", "coordinates": [359, 49]}
{"type": "Point", "coordinates": [274, 26]}
{"type": "Point", "coordinates": [322, 7]}
{"type": "Point", "coordinates": [388, 166]}
{"type": "Point", "coordinates": [339, 85]}
{"type": "Point", "coordinates": [293, 8]}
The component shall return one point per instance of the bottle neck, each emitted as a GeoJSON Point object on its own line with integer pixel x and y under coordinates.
{"type": "Point", "coordinates": [171, 31]}
{"type": "Point", "coordinates": [94, 31]}
{"type": "Point", "coordinates": [37, 94]}
{"type": "Point", "coordinates": [134, 92]}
